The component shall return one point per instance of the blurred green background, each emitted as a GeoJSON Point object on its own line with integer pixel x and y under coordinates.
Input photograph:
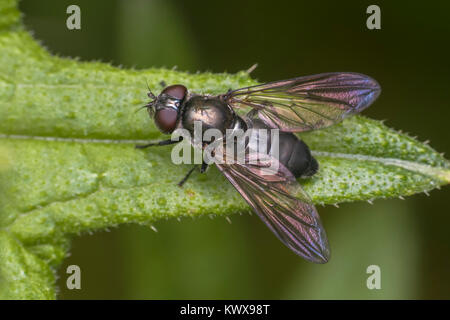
{"type": "Point", "coordinates": [210, 258]}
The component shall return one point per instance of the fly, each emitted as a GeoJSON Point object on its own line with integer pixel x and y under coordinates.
{"type": "Point", "coordinates": [293, 105]}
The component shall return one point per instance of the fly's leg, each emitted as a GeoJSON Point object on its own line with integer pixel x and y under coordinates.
{"type": "Point", "coordinates": [158, 143]}
{"type": "Point", "coordinates": [180, 184]}
{"type": "Point", "coordinates": [204, 164]}
{"type": "Point", "coordinates": [204, 167]}
{"type": "Point", "coordinates": [202, 170]}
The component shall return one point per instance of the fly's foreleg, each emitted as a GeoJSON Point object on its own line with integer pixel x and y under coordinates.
{"type": "Point", "coordinates": [158, 143]}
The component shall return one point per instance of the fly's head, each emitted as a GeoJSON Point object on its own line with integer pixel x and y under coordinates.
{"type": "Point", "coordinates": [165, 108]}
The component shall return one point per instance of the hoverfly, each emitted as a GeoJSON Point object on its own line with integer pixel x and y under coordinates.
{"type": "Point", "coordinates": [293, 105]}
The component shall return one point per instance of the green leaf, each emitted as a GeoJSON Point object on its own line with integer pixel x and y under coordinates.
{"type": "Point", "coordinates": [68, 164]}
{"type": "Point", "coordinates": [24, 275]}
{"type": "Point", "coordinates": [362, 159]}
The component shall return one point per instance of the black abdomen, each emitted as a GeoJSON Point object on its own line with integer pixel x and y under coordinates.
{"type": "Point", "coordinates": [293, 153]}
{"type": "Point", "coordinates": [296, 156]}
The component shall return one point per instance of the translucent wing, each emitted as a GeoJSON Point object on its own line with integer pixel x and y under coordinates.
{"type": "Point", "coordinates": [281, 203]}
{"type": "Point", "coordinates": [307, 103]}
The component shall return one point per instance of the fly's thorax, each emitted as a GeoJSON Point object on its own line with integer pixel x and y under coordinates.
{"type": "Point", "coordinates": [211, 113]}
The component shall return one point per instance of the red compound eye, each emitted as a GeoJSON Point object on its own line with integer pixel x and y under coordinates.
{"type": "Point", "coordinates": [166, 119]}
{"type": "Point", "coordinates": [176, 91]}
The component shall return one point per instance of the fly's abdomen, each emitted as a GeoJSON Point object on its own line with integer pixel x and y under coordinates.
{"type": "Point", "coordinates": [301, 163]}
{"type": "Point", "coordinates": [293, 153]}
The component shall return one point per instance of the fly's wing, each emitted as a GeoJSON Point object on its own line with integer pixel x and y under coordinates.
{"type": "Point", "coordinates": [275, 195]}
{"type": "Point", "coordinates": [307, 103]}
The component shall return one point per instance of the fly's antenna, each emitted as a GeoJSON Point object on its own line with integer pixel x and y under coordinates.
{"type": "Point", "coordinates": [140, 108]}
{"type": "Point", "coordinates": [150, 93]}
{"type": "Point", "coordinates": [149, 106]}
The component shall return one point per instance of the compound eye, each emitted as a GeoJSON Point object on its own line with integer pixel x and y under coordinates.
{"type": "Point", "coordinates": [166, 119]}
{"type": "Point", "coordinates": [176, 91]}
